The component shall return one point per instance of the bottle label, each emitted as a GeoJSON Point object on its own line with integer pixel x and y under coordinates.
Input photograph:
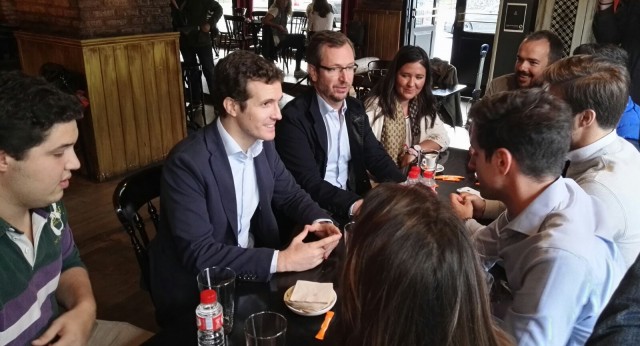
{"type": "Point", "coordinates": [209, 323]}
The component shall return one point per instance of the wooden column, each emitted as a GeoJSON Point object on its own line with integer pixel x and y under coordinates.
{"type": "Point", "coordinates": [382, 21]}
{"type": "Point", "coordinates": [135, 92]}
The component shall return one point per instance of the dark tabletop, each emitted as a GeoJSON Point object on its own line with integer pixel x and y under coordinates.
{"type": "Point", "coordinates": [255, 297]}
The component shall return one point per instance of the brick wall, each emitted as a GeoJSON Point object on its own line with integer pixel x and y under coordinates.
{"type": "Point", "coordinates": [8, 14]}
{"type": "Point", "coordinates": [93, 18]}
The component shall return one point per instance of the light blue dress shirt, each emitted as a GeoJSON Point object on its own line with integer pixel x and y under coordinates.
{"type": "Point", "coordinates": [561, 274]}
{"type": "Point", "coordinates": [339, 151]}
{"type": "Point", "coordinates": [246, 186]}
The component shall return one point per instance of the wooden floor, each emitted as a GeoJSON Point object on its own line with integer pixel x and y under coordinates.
{"type": "Point", "coordinates": [107, 253]}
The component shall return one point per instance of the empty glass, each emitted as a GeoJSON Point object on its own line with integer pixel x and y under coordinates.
{"type": "Point", "coordinates": [223, 281]}
{"type": "Point", "coordinates": [348, 232]}
{"type": "Point", "coordinates": [265, 328]}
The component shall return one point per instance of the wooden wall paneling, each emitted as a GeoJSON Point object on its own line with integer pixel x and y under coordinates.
{"type": "Point", "coordinates": [127, 114]}
{"type": "Point", "coordinates": [115, 140]}
{"type": "Point", "coordinates": [135, 90]}
{"type": "Point", "coordinates": [151, 94]}
{"type": "Point", "coordinates": [164, 105]}
{"type": "Point", "coordinates": [174, 74]}
{"type": "Point", "coordinates": [141, 123]}
{"type": "Point", "coordinates": [382, 32]}
{"type": "Point", "coordinates": [102, 155]}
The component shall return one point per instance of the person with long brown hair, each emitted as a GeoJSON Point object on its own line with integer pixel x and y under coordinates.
{"type": "Point", "coordinates": [402, 109]}
{"type": "Point", "coordinates": [412, 276]}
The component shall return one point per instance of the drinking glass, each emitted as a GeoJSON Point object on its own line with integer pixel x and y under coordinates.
{"type": "Point", "coordinates": [265, 328]}
{"type": "Point", "coordinates": [348, 232]}
{"type": "Point", "coordinates": [223, 281]}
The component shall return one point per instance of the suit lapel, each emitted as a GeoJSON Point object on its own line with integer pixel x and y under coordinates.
{"type": "Point", "coordinates": [318, 123]}
{"type": "Point", "coordinates": [265, 181]}
{"type": "Point", "coordinates": [221, 168]}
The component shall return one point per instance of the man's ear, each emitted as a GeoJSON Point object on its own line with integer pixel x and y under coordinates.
{"type": "Point", "coordinates": [230, 106]}
{"type": "Point", "coordinates": [4, 161]}
{"type": "Point", "coordinates": [313, 72]}
{"type": "Point", "coordinates": [586, 118]}
{"type": "Point", "coordinates": [503, 161]}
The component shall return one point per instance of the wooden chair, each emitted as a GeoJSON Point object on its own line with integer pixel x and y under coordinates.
{"type": "Point", "coordinates": [131, 194]}
{"type": "Point", "coordinates": [298, 22]}
{"type": "Point", "coordinates": [376, 69]}
{"type": "Point", "coordinates": [258, 15]}
{"type": "Point", "coordinates": [236, 37]}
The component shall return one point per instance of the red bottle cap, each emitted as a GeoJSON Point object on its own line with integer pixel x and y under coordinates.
{"type": "Point", "coordinates": [208, 296]}
{"type": "Point", "coordinates": [414, 174]}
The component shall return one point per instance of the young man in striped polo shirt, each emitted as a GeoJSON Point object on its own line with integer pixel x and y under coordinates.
{"type": "Point", "coordinates": [39, 262]}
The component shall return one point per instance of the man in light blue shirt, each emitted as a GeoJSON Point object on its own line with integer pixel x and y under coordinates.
{"type": "Point", "coordinates": [220, 188]}
{"type": "Point", "coordinates": [560, 272]}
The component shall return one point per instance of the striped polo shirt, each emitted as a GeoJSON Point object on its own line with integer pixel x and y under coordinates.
{"type": "Point", "coordinates": [29, 274]}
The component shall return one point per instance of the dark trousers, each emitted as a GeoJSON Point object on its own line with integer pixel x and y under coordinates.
{"type": "Point", "coordinates": [294, 41]}
{"type": "Point", "coordinates": [204, 54]}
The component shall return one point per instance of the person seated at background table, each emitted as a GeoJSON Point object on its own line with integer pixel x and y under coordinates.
{"type": "Point", "coordinates": [319, 16]}
{"type": "Point", "coordinates": [324, 138]}
{"type": "Point", "coordinates": [629, 124]}
{"type": "Point", "coordinates": [402, 110]}
{"type": "Point", "coordinates": [276, 19]}
{"type": "Point", "coordinates": [41, 268]}
{"type": "Point", "coordinates": [220, 187]}
{"type": "Point", "coordinates": [537, 51]}
{"type": "Point", "coordinates": [560, 269]}
{"type": "Point", "coordinates": [412, 275]}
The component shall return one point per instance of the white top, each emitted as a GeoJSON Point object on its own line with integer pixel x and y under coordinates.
{"type": "Point", "coordinates": [437, 133]}
{"type": "Point", "coordinates": [608, 169]}
{"type": "Point", "coordinates": [317, 23]}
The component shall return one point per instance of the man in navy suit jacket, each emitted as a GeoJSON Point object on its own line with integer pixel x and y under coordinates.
{"type": "Point", "coordinates": [220, 187]}
{"type": "Point", "coordinates": [325, 139]}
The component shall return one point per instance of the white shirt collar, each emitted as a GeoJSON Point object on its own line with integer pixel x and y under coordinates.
{"type": "Point", "coordinates": [232, 147]}
{"type": "Point", "coordinates": [325, 108]}
{"type": "Point", "coordinates": [584, 153]}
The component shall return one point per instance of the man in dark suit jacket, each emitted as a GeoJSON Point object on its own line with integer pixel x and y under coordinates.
{"type": "Point", "coordinates": [325, 139]}
{"type": "Point", "coordinates": [218, 189]}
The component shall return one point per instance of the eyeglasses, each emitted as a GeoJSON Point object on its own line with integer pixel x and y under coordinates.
{"type": "Point", "coordinates": [334, 70]}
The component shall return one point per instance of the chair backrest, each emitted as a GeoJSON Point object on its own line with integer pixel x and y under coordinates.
{"type": "Point", "coordinates": [235, 27]}
{"type": "Point", "coordinates": [376, 69]}
{"type": "Point", "coordinates": [298, 22]}
{"type": "Point", "coordinates": [258, 15]}
{"type": "Point", "coordinates": [131, 194]}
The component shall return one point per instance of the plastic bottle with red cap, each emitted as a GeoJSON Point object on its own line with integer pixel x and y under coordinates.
{"type": "Point", "coordinates": [429, 181]}
{"type": "Point", "coordinates": [209, 320]}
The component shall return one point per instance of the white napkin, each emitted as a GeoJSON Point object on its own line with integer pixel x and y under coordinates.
{"type": "Point", "coordinates": [311, 296]}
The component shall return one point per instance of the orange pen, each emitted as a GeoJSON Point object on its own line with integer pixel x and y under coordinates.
{"type": "Point", "coordinates": [325, 325]}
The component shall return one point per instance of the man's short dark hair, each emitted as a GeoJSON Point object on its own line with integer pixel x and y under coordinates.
{"type": "Point", "coordinates": [607, 51]}
{"type": "Point", "coordinates": [532, 124]}
{"type": "Point", "coordinates": [332, 39]}
{"type": "Point", "coordinates": [233, 72]}
{"type": "Point", "coordinates": [591, 82]}
{"type": "Point", "coordinates": [556, 47]}
{"type": "Point", "coordinates": [29, 108]}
